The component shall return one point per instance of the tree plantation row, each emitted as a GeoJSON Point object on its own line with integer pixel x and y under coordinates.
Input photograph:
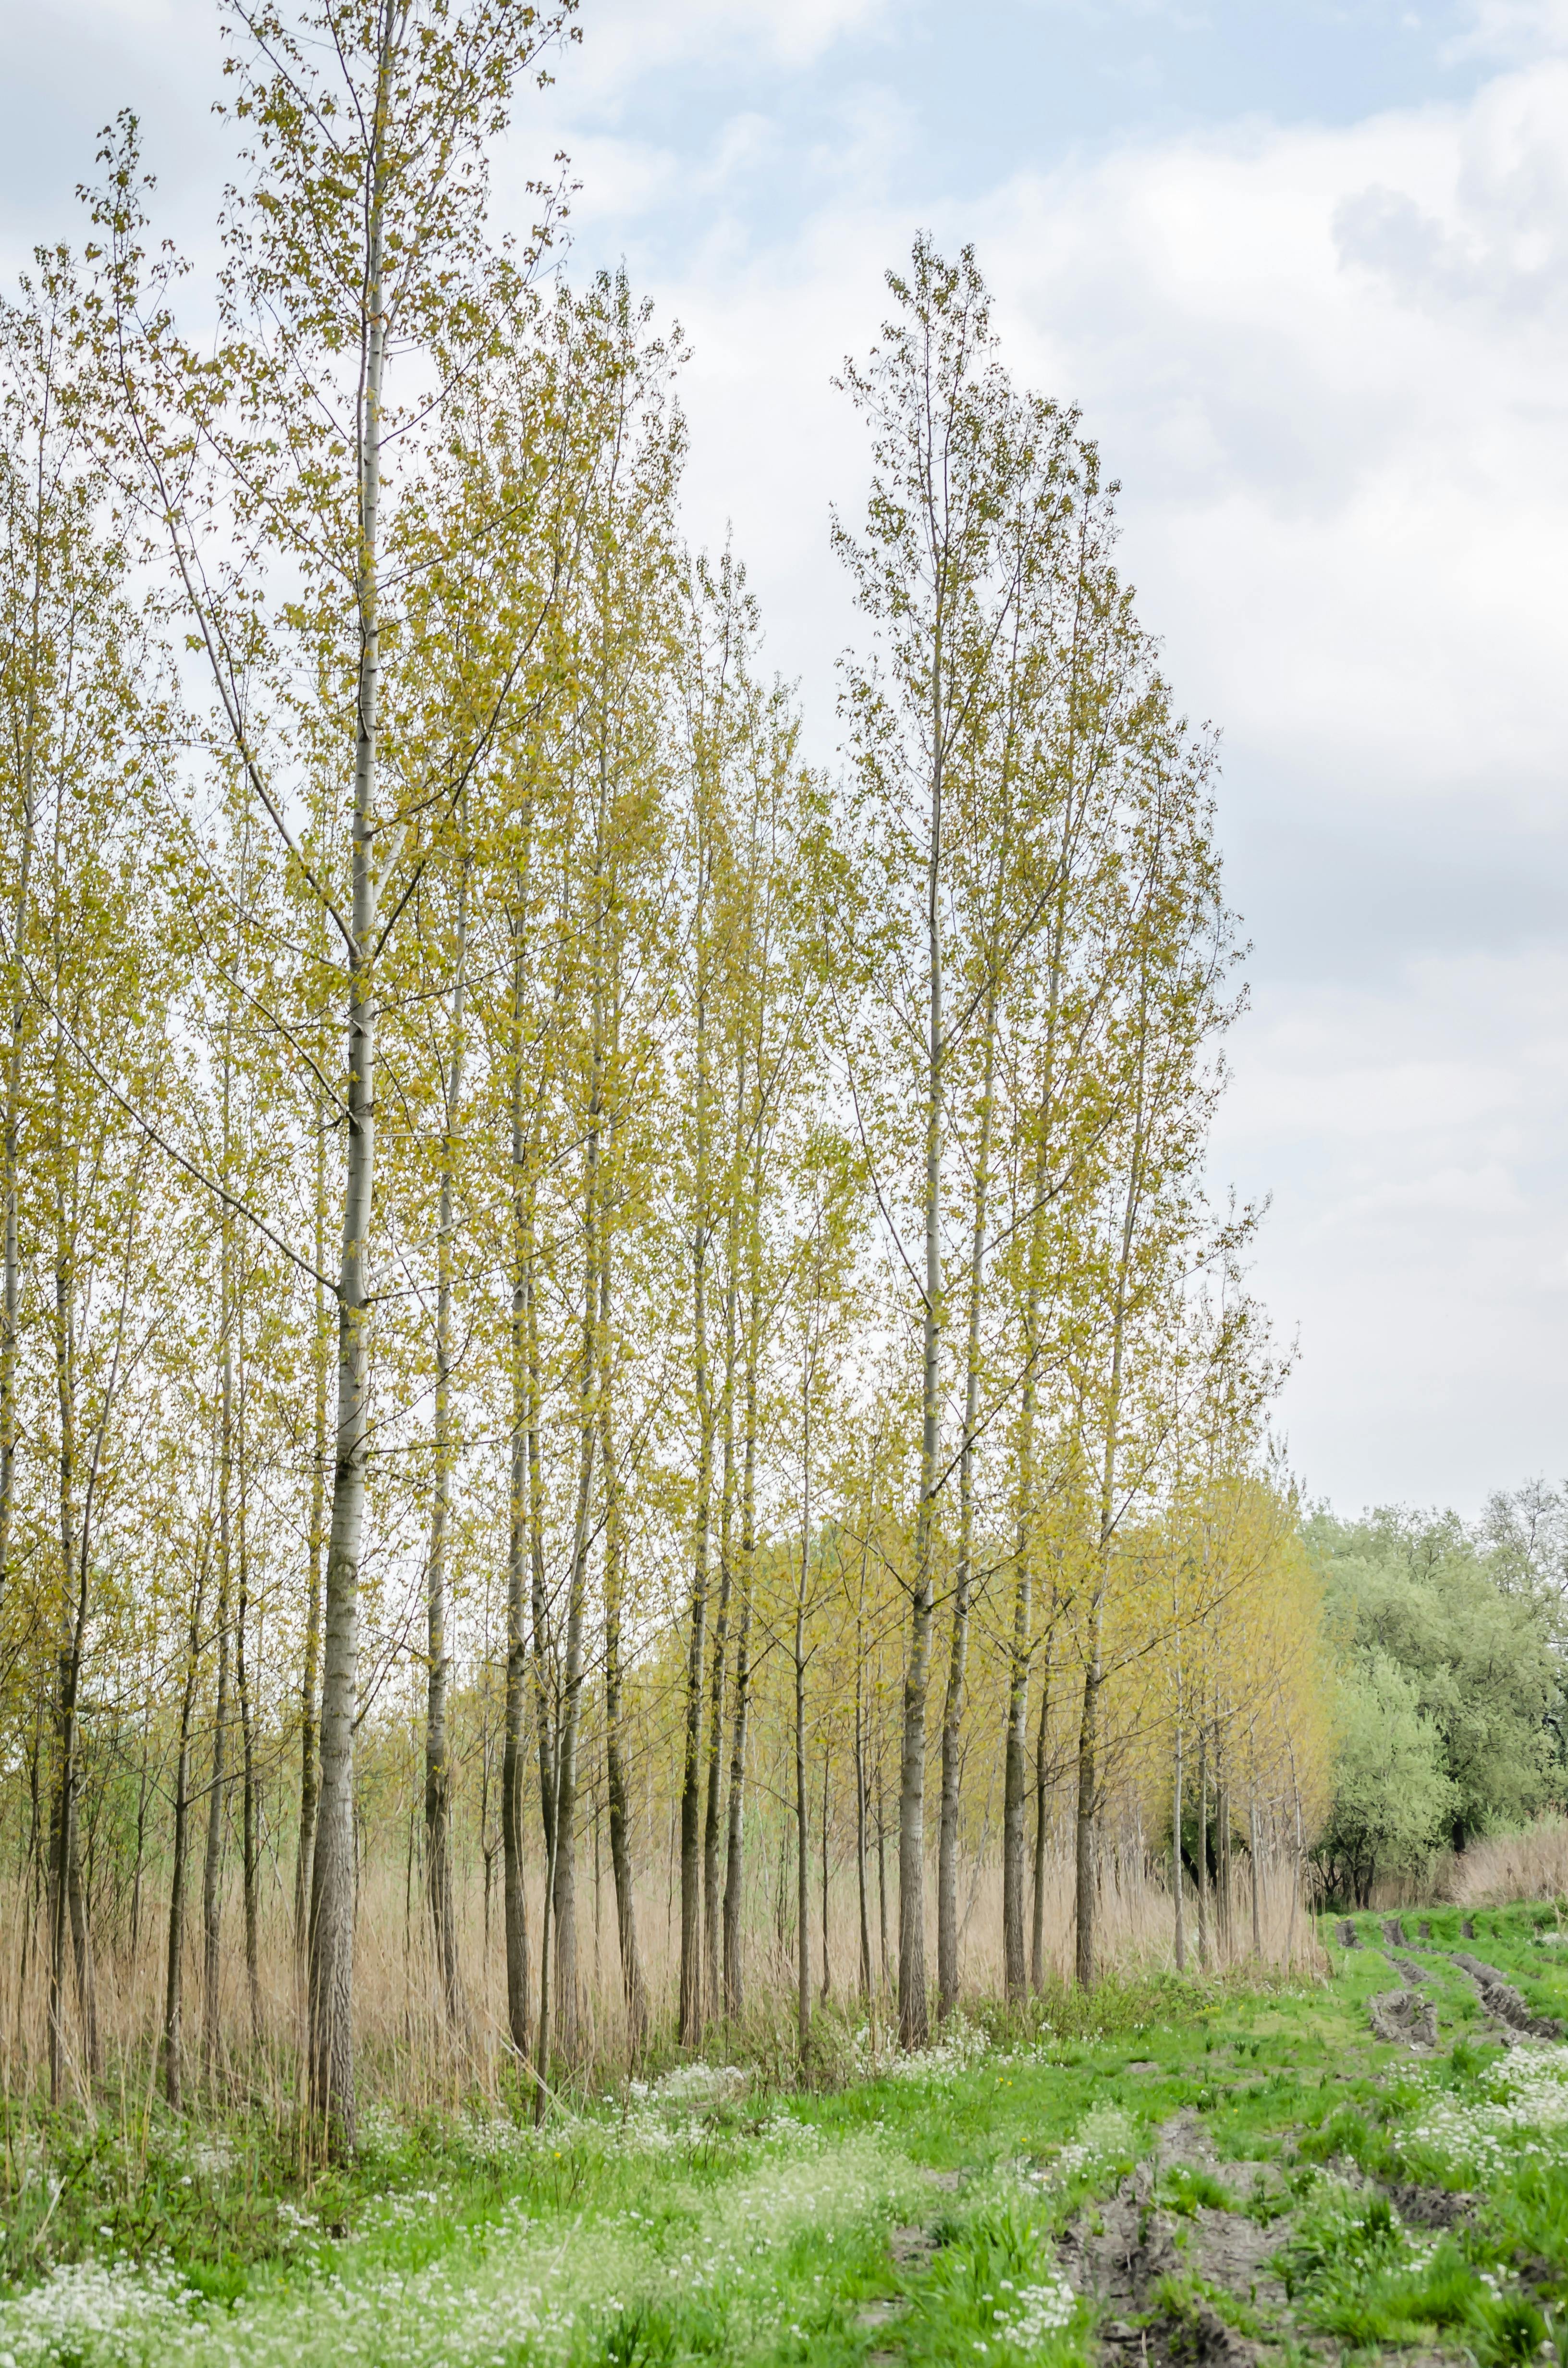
{"type": "Point", "coordinates": [620, 1405]}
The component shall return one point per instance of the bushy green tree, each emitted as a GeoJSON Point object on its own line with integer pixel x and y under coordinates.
{"type": "Point", "coordinates": [1392, 1800]}
{"type": "Point", "coordinates": [1476, 1642]}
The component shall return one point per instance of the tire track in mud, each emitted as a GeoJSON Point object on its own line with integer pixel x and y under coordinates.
{"type": "Point", "coordinates": [1168, 2272]}
{"type": "Point", "coordinates": [1121, 2252]}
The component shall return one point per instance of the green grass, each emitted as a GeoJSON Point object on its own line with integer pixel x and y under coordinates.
{"type": "Point", "coordinates": [915, 2216]}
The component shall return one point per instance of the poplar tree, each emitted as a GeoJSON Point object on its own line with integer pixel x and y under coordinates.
{"type": "Point", "coordinates": [926, 575]}
{"type": "Point", "coordinates": [354, 244]}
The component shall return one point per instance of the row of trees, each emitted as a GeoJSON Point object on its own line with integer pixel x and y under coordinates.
{"type": "Point", "coordinates": [517, 1186]}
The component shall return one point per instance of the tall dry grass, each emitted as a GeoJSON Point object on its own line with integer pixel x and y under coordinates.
{"type": "Point", "coordinates": [1529, 1866]}
{"type": "Point", "coordinates": [413, 2060]}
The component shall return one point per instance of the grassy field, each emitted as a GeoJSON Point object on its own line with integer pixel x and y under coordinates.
{"type": "Point", "coordinates": [1179, 2171]}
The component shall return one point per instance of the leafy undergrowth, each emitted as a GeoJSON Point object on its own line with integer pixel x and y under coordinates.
{"type": "Point", "coordinates": [1292, 2186]}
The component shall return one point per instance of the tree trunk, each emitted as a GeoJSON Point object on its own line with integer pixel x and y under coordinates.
{"type": "Point", "coordinates": [310, 1675]}
{"type": "Point", "coordinates": [334, 1871]}
{"type": "Point", "coordinates": [958, 1652]}
{"type": "Point", "coordinates": [1251, 1864]}
{"type": "Point", "coordinates": [564, 1885]}
{"type": "Point", "coordinates": [734, 1865]}
{"type": "Point", "coordinates": [174, 1982]}
{"type": "Point", "coordinates": [564, 1882]}
{"type": "Point", "coordinates": [913, 2015]}
{"type": "Point", "coordinates": [802, 1831]}
{"type": "Point", "coordinates": [438, 1765]}
{"type": "Point", "coordinates": [1203, 1847]}
{"type": "Point", "coordinates": [1222, 1849]}
{"type": "Point", "coordinates": [826, 1965]}
{"type": "Point", "coordinates": [735, 1851]}
{"type": "Point", "coordinates": [1041, 1792]}
{"type": "Point", "coordinates": [1179, 1886]}
{"type": "Point", "coordinates": [632, 1977]}
{"type": "Point", "coordinates": [10, 1153]}
{"type": "Point", "coordinates": [881, 1874]}
{"type": "Point", "coordinates": [696, 1628]}
{"type": "Point", "coordinates": [68, 1903]}
{"type": "Point", "coordinates": [217, 1796]}
{"type": "Point", "coordinates": [634, 1984]}
{"type": "Point", "coordinates": [866, 1989]}
{"type": "Point", "coordinates": [1088, 1803]}
{"type": "Point", "coordinates": [250, 1845]}
{"type": "Point", "coordinates": [712, 1824]}
{"type": "Point", "coordinates": [523, 1512]}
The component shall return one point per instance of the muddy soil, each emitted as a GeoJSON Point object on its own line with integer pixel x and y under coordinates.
{"type": "Point", "coordinates": [1119, 2250]}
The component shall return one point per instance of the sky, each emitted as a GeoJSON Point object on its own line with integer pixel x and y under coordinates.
{"type": "Point", "coordinates": [1305, 267]}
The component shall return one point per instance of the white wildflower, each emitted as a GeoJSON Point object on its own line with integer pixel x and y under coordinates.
{"type": "Point", "coordinates": [1038, 2312]}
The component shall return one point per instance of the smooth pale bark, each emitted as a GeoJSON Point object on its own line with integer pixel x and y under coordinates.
{"type": "Point", "coordinates": [802, 1830]}
{"type": "Point", "coordinates": [560, 1895]}
{"type": "Point", "coordinates": [437, 1760]}
{"type": "Point", "coordinates": [958, 1650]}
{"type": "Point", "coordinates": [1015, 1771]}
{"type": "Point", "coordinates": [331, 2048]}
{"type": "Point", "coordinates": [524, 1513]}
{"type": "Point", "coordinates": [803, 1838]}
{"type": "Point", "coordinates": [139, 1864]}
{"type": "Point", "coordinates": [735, 1854]}
{"type": "Point", "coordinates": [1178, 1884]}
{"type": "Point", "coordinates": [17, 998]}
{"type": "Point", "coordinates": [734, 1848]}
{"type": "Point", "coordinates": [563, 1819]}
{"type": "Point", "coordinates": [309, 1675]}
{"type": "Point", "coordinates": [1252, 1866]}
{"type": "Point", "coordinates": [250, 1840]}
{"type": "Point", "coordinates": [1222, 1823]}
{"type": "Point", "coordinates": [913, 2012]}
{"type": "Point", "coordinates": [826, 1963]}
{"type": "Point", "coordinates": [1042, 1797]}
{"type": "Point", "coordinates": [1083, 1890]}
{"type": "Point", "coordinates": [218, 1780]}
{"type": "Point", "coordinates": [1021, 1646]}
{"type": "Point", "coordinates": [542, 1650]}
{"type": "Point", "coordinates": [11, 1151]}
{"type": "Point", "coordinates": [1089, 1774]}
{"type": "Point", "coordinates": [564, 1881]}
{"type": "Point", "coordinates": [1203, 1847]}
{"type": "Point", "coordinates": [866, 1987]}
{"type": "Point", "coordinates": [1300, 1853]}
{"type": "Point", "coordinates": [881, 1874]}
{"type": "Point", "coordinates": [68, 1903]}
{"type": "Point", "coordinates": [712, 1822]}
{"type": "Point", "coordinates": [634, 1984]}
{"type": "Point", "coordinates": [608, 1040]}
{"type": "Point", "coordinates": [697, 1616]}
{"type": "Point", "coordinates": [174, 1973]}
{"type": "Point", "coordinates": [33, 1864]}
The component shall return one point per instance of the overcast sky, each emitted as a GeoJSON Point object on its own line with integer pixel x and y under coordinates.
{"type": "Point", "coordinates": [1305, 267]}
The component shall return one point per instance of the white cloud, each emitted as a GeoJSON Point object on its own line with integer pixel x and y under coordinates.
{"type": "Point", "coordinates": [627, 39]}
{"type": "Point", "coordinates": [1512, 29]}
{"type": "Point", "coordinates": [1414, 1133]}
{"type": "Point", "coordinates": [1331, 367]}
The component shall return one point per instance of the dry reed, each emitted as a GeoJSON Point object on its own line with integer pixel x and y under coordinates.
{"type": "Point", "coordinates": [413, 2061]}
